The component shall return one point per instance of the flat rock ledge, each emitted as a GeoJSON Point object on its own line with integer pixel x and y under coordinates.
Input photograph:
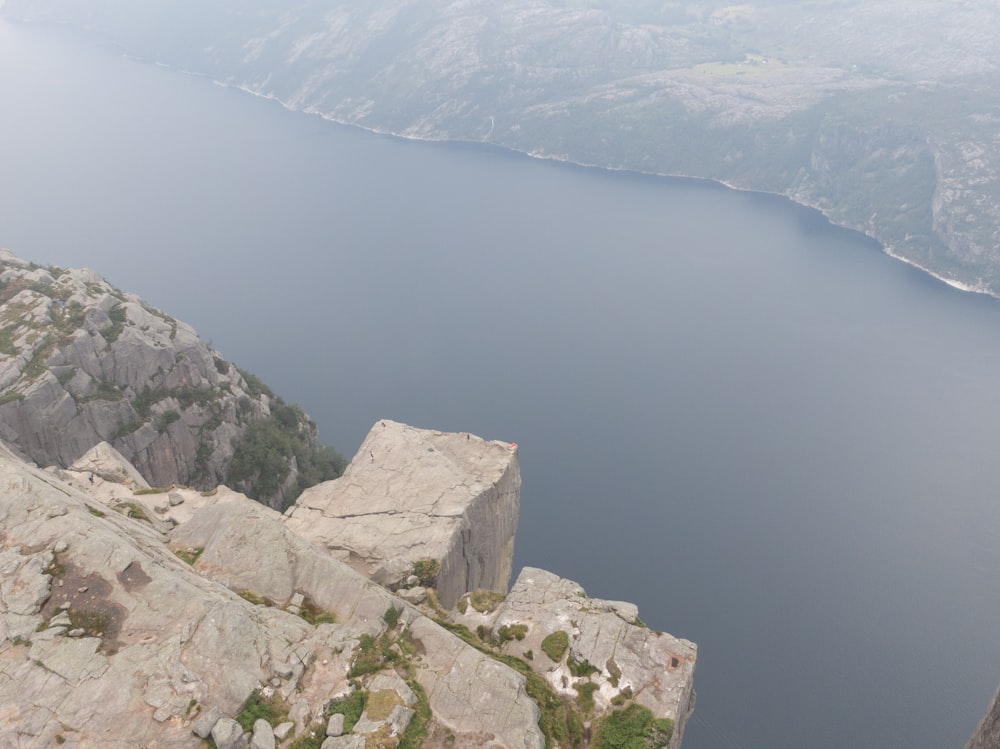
{"type": "Point", "coordinates": [412, 497]}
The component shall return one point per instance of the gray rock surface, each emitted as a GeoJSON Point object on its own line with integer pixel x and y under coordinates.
{"type": "Point", "coordinates": [164, 640]}
{"type": "Point", "coordinates": [415, 494]}
{"type": "Point", "coordinates": [987, 733]}
{"type": "Point", "coordinates": [655, 668]}
{"type": "Point", "coordinates": [227, 734]}
{"type": "Point", "coordinates": [263, 735]}
{"type": "Point", "coordinates": [85, 368]}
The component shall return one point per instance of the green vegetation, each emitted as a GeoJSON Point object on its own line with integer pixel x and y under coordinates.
{"type": "Point", "coordinates": [554, 645]}
{"type": "Point", "coordinates": [314, 614]}
{"type": "Point", "coordinates": [351, 707]}
{"type": "Point", "coordinates": [391, 616]}
{"type": "Point", "coordinates": [190, 555]}
{"type": "Point", "coordinates": [509, 632]}
{"type": "Point", "coordinates": [118, 317]}
{"type": "Point", "coordinates": [427, 570]}
{"type": "Point", "coordinates": [632, 728]}
{"type": "Point", "coordinates": [585, 696]}
{"type": "Point", "coordinates": [264, 454]}
{"type": "Point", "coordinates": [485, 601]}
{"type": "Point", "coordinates": [151, 490]}
{"type": "Point", "coordinates": [248, 595]}
{"type": "Point", "coordinates": [374, 653]}
{"type": "Point", "coordinates": [95, 512]}
{"type": "Point", "coordinates": [134, 511]}
{"type": "Point", "coordinates": [580, 669]}
{"type": "Point", "coordinates": [415, 733]}
{"type": "Point", "coordinates": [272, 709]}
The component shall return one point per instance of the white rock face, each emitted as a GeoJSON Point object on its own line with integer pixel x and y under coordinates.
{"type": "Point", "coordinates": [653, 668]}
{"type": "Point", "coordinates": [415, 494]}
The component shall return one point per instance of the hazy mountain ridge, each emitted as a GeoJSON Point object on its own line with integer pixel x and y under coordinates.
{"type": "Point", "coordinates": [882, 116]}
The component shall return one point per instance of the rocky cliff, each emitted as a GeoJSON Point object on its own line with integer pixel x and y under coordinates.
{"type": "Point", "coordinates": [83, 363]}
{"type": "Point", "coordinates": [138, 617]}
{"type": "Point", "coordinates": [987, 733]}
{"type": "Point", "coordinates": [374, 612]}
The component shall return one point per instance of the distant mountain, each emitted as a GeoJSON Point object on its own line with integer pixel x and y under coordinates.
{"type": "Point", "coordinates": [882, 115]}
{"type": "Point", "coordinates": [83, 363]}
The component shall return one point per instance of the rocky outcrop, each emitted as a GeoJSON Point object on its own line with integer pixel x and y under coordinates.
{"type": "Point", "coordinates": [443, 505]}
{"type": "Point", "coordinates": [109, 639]}
{"type": "Point", "coordinates": [987, 734]}
{"type": "Point", "coordinates": [82, 363]}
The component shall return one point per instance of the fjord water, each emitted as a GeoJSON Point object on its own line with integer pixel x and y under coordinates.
{"type": "Point", "coordinates": [777, 441]}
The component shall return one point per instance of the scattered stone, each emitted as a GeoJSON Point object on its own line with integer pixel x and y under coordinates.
{"type": "Point", "coordinates": [203, 726]}
{"type": "Point", "coordinates": [297, 600]}
{"type": "Point", "coordinates": [351, 741]}
{"type": "Point", "coordinates": [335, 726]}
{"type": "Point", "coordinates": [282, 730]}
{"type": "Point", "coordinates": [263, 735]}
{"type": "Point", "coordinates": [76, 632]}
{"type": "Point", "coordinates": [60, 547]}
{"type": "Point", "coordinates": [416, 595]}
{"type": "Point", "coordinates": [227, 734]}
{"type": "Point", "coordinates": [175, 499]}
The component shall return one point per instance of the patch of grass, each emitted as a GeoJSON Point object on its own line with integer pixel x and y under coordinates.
{"type": "Point", "coordinates": [94, 622]}
{"type": "Point", "coordinates": [637, 622]}
{"type": "Point", "coordinates": [252, 597]}
{"type": "Point", "coordinates": [95, 512]}
{"type": "Point", "coordinates": [585, 696]}
{"type": "Point", "coordinates": [509, 632]}
{"type": "Point", "coordinates": [427, 570]}
{"type": "Point", "coordinates": [351, 707]}
{"type": "Point", "coordinates": [190, 555]}
{"type": "Point", "coordinates": [632, 728]}
{"type": "Point", "coordinates": [580, 668]}
{"type": "Point", "coordinates": [151, 490]}
{"type": "Point", "coordinates": [272, 709]}
{"type": "Point", "coordinates": [134, 511]}
{"type": "Point", "coordinates": [554, 645]}
{"type": "Point", "coordinates": [314, 614]}
{"type": "Point", "coordinates": [374, 653]}
{"type": "Point", "coordinates": [55, 568]}
{"type": "Point", "coordinates": [415, 733]}
{"type": "Point", "coordinates": [10, 397]}
{"type": "Point", "coordinates": [484, 601]}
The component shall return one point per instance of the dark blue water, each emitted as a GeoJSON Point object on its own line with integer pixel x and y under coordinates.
{"type": "Point", "coordinates": [777, 441]}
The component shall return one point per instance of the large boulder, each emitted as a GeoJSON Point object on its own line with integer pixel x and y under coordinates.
{"type": "Point", "coordinates": [443, 505]}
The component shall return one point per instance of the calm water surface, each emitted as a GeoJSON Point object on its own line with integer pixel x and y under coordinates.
{"type": "Point", "coordinates": [778, 442]}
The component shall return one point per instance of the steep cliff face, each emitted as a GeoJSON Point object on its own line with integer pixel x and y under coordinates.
{"type": "Point", "coordinates": [987, 734]}
{"type": "Point", "coordinates": [82, 363]}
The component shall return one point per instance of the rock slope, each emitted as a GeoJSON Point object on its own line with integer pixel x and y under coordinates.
{"type": "Point", "coordinates": [412, 495]}
{"type": "Point", "coordinates": [83, 363]}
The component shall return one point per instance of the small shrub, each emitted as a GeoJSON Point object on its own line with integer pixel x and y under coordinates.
{"type": "Point", "coordinates": [272, 709]}
{"type": "Point", "coordinates": [506, 633]}
{"type": "Point", "coordinates": [484, 601]}
{"type": "Point", "coordinates": [632, 728]}
{"type": "Point", "coordinates": [391, 616]}
{"type": "Point", "coordinates": [427, 570]}
{"type": "Point", "coordinates": [554, 645]}
{"type": "Point", "coordinates": [95, 512]}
